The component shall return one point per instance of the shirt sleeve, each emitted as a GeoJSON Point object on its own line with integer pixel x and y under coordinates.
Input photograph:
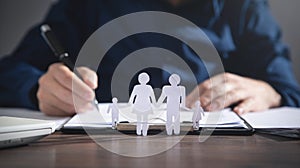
{"type": "Point", "coordinates": [19, 80]}
{"type": "Point", "coordinates": [260, 53]}
{"type": "Point", "coordinates": [20, 71]}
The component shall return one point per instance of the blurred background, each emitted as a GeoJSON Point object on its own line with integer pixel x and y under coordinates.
{"type": "Point", "coordinates": [18, 16]}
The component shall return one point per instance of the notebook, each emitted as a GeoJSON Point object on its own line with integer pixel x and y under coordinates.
{"type": "Point", "coordinates": [222, 122]}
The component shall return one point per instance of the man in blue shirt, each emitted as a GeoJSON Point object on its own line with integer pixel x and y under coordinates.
{"type": "Point", "coordinates": [258, 70]}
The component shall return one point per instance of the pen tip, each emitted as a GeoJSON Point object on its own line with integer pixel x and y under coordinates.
{"type": "Point", "coordinates": [96, 103]}
{"type": "Point", "coordinates": [45, 28]}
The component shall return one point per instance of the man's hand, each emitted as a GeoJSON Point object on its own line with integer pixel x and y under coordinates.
{"type": "Point", "coordinates": [59, 87]}
{"type": "Point", "coordinates": [227, 89]}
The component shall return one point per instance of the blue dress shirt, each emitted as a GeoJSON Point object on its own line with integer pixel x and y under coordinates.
{"type": "Point", "coordinates": [243, 31]}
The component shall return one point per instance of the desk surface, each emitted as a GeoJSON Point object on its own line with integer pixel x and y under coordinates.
{"type": "Point", "coordinates": [60, 150]}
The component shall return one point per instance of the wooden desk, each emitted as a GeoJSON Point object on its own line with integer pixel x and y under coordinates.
{"type": "Point", "coordinates": [61, 150]}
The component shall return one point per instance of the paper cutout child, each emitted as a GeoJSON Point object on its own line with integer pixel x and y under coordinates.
{"type": "Point", "coordinates": [175, 99]}
{"type": "Point", "coordinates": [114, 109]}
{"type": "Point", "coordinates": [198, 115]}
{"type": "Point", "coordinates": [142, 98]}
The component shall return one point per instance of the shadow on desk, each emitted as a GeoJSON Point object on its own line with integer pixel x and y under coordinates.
{"type": "Point", "coordinates": [58, 139]}
{"type": "Point", "coordinates": [280, 134]}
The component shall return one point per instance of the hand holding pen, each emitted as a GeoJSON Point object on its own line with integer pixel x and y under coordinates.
{"type": "Point", "coordinates": [60, 87]}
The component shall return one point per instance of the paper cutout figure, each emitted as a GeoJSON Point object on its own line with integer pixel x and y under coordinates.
{"type": "Point", "coordinates": [114, 109]}
{"type": "Point", "coordinates": [142, 98]}
{"type": "Point", "coordinates": [198, 115]}
{"type": "Point", "coordinates": [175, 99]}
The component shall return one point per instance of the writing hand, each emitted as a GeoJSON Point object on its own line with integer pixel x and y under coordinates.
{"type": "Point", "coordinates": [59, 87]}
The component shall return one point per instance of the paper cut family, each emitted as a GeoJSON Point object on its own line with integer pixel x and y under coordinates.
{"type": "Point", "coordinates": [142, 99]}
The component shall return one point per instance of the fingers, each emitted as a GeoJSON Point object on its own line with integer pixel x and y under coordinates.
{"type": "Point", "coordinates": [56, 94]}
{"type": "Point", "coordinates": [48, 85]}
{"type": "Point", "coordinates": [53, 110]}
{"type": "Point", "coordinates": [68, 103]}
{"type": "Point", "coordinates": [208, 84]}
{"type": "Point", "coordinates": [70, 81]}
{"type": "Point", "coordinates": [227, 89]}
{"type": "Point", "coordinates": [192, 97]}
{"type": "Point", "coordinates": [46, 97]}
{"type": "Point", "coordinates": [232, 97]}
{"type": "Point", "coordinates": [235, 96]}
{"type": "Point", "coordinates": [204, 86]}
{"type": "Point", "coordinates": [217, 92]}
{"type": "Point", "coordinates": [224, 92]}
{"type": "Point", "coordinates": [220, 92]}
{"type": "Point", "coordinates": [244, 107]}
{"type": "Point", "coordinates": [89, 77]}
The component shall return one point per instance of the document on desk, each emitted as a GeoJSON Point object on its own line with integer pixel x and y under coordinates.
{"type": "Point", "coordinates": [285, 117]}
{"type": "Point", "coordinates": [24, 113]}
{"type": "Point", "coordinates": [102, 119]}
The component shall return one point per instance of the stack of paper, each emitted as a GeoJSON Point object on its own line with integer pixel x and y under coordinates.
{"type": "Point", "coordinates": [285, 117]}
{"type": "Point", "coordinates": [94, 119]}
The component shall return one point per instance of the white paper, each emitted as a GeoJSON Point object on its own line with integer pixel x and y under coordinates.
{"type": "Point", "coordinates": [224, 118]}
{"type": "Point", "coordinates": [24, 113]}
{"type": "Point", "coordinates": [284, 117]}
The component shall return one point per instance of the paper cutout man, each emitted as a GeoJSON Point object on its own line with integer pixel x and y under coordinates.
{"type": "Point", "coordinates": [175, 99]}
{"type": "Point", "coordinates": [142, 98]}
{"type": "Point", "coordinates": [114, 109]}
{"type": "Point", "coordinates": [198, 115]}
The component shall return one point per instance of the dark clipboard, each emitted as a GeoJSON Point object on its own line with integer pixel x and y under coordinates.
{"type": "Point", "coordinates": [130, 128]}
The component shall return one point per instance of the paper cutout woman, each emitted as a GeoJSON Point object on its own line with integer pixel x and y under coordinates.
{"type": "Point", "coordinates": [142, 98]}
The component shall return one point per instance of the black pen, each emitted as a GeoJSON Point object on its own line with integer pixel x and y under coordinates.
{"type": "Point", "coordinates": [60, 52]}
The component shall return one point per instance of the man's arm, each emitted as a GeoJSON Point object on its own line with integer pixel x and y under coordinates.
{"type": "Point", "coordinates": [260, 74]}
{"type": "Point", "coordinates": [18, 84]}
{"type": "Point", "coordinates": [22, 70]}
{"type": "Point", "coordinates": [264, 56]}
